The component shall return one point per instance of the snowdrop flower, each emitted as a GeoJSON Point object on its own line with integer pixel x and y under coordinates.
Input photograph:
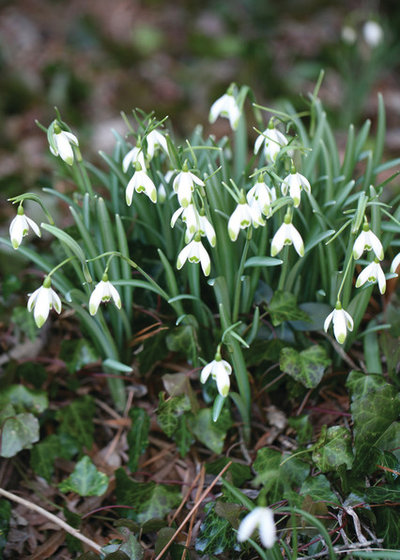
{"type": "Point", "coordinates": [140, 182]}
{"type": "Point", "coordinates": [103, 292]}
{"type": "Point", "coordinates": [372, 273]}
{"type": "Point", "coordinates": [262, 196]}
{"type": "Point", "coordinates": [226, 106]}
{"type": "Point", "coordinates": [349, 35]}
{"type": "Point", "coordinates": [272, 140]}
{"type": "Point", "coordinates": [373, 33]}
{"type": "Point", "coordinates": [62, 141]}
{"type": "Point", "coordinates": [206, 229]}
{"type": "Point", "coordinates": [287, 234]}
{"type": "Point", "coordinates": [133, 156]}
{"type": "Point", "coordinates": [243, 217]}
{"type": "Point", "coordinates": [42, 300]}
{"type": "Point", "coordinates": [295, 182]}
{"type": "Point", "coordinates": [366, 241]}
{"type": "Point", "coordinates": [220, 371]}
{"type": "Point", "coordinates": [154, 141]}
{"type": "Point", "coordinates": [263, 519]}
{"type": "Point", "coordinates": [196, 222]}
{"type": "Point", "coordinates": [342, 322]}
{"type": "Point", "coordinates": [19, 227]}
{"type": "Point", "coordinates": [195, 253]}
{"type": "Point", "coordinates": [395, 263]}
{"type": "Point", "coordinates": [183, 185]}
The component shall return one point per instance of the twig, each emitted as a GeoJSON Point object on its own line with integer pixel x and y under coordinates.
{"type": "Point", "coordinates": [349, 548]}
{"type": "Point", "coordinates": [30, 505]}
{"type": "Point", "coordinates": [198, 492]}
{"type": "Point", "coordinates": [193, 510]}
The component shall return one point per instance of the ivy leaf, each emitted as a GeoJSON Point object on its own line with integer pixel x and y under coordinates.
{"type": "Point", "coordinates": [77, 420]}
{"type": "Point", "coordinates": [319, 489]}
{"type": "Point", "coordinates": [267, 467]}
{"type": "Point", "coordinates": [380, 494]}
{"type": "Point", "coordinates": [239, 473]}
{"type": "Point", "coordinates": [387, 527]}
{"type": "Point", "coordinates": [306, 367]}
{"type": "Point", "coordinates": [46, 451]}
{"type": "Point", "coordinates": [333, 449]}
{"type": "Point", "coordinates": [149, 500]}
{"type": "Point", "coordinates": [18, 432]}
{"type": "Point", "coordinates": [24, 399]}
{"type": "Point", "coordinates": [137, 436]}
{"type": "Point", "coordinates": [283, 307]}
{"type": "Point", "coordinates": [85, 480]}
{"type": "Point", "coordinates": [169, 411]}
{"type": "Point", "coordinates": [183, 436]}
{"type": "Point", "coordinates": [77, 353]}
{"type": "Point", "coordinates": [216, 534]}
{"type": "Point", "coordinates": [211, 434]}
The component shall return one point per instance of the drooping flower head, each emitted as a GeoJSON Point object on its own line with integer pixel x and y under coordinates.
{"type": "Point", "coordinates": [183, 185]}
{"type": "Point", "coordinates": [220, 371]}
{"type": "Point", "coordinates": [155, 140]}
{"type": "Point", "coordinates": [42, 300]}
{"type": "Point", "coordinates": [272, 141]}
{"type": "Point", "coordinates": [372, 273]}
{"type": "Point", "coordinates": [103, 292]}
{"type": "Point", "coordinates": [366, 241]}
{"type": "Point", "coordinates": [295, 182]}
{"type": "Point", "coordinates": [261, 518]}
{"type": "Point", "coordinates": [342, 322]}
{"type": "Point", "coordinates": [19, 227]}
{"type": "Point", "coordinates": [373, 33]}
{"type": "Point", "coordinates": [195, 253]}
{"type": "Point", "coordinates": [226, 106]}
{"type": "Point", "coordinates": [60, 143]}
{"type": "Point", "coordinates": [134, 155]}
{"type": "Point", "coordinates": [243, 217]}
{"type": "Point", "coordinates": [141, 183]}
{"type": "Point", "coordinates": [287, 234]}
{"type": "Point", "coordinates": [262, 196]}
{"type": "Point", "coordinates": [395, 263]}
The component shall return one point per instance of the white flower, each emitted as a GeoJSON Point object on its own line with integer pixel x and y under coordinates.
{"type": "Point", "coordinates": [155, 140]}
{"type": "Point", "coordinates": [286, 235]}
{"type": "Point", "coordinates": [373, 33]}
{"type": "Point", "coordinates": [372, 273]}
{"type": "Point", "coordinates": [395, 263]}
{"type": "Point", "coordinates": [342, 322]}
{"type": "Point", "coordinates": [184, 184]}
{"type": "Point", "coordinates": [62, 144]}
{"type": "Point", "coordinates": [103, 292]}
{"type": "Point", "coordinates": [206, 229]}
{"type": "Point", "coordinates": [272, 141]}
{"type": "Point", "coordinates": [195, 253]}
{"type": "Point", "coordinates": [140, 182]}
{"type": "Point", "coordinates": [42, 300]}
{"type": "Point", "coordinates": [243, 217]}
{"type": "Point", "coordinates": [366, 241]}
{"type": "Point", "coordinates": [196, 222]}
{"type": "Point", "coordinates": [19, 227]}
{"type": "Point", "coordinates": [295, 182]}
{"type": "Point", "coordinates": [133, 156]}
{"type": "Point", "coordinates": [226, 106]}
{"type": "Point", "coordinates": [262, 196]}
{"type": "Point", "coordinates": [263, 519]}
{"type": "Point", "coordinates": [220, 371]}
{"type": "Point", "coordinates": [349, 35]}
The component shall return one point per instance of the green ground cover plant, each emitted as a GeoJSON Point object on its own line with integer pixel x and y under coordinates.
{"type": "Point", "coordinates": [251, 259]}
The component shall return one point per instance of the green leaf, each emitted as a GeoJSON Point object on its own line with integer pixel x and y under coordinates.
{"type": "Point", "coordinates": [333, 449]}
{"type": "Point", "coordinates": [169, 411]}
{"type": "Point", "coordinates": [211, 434]}
{"type": "Point", "coordinates": [306, 367]}
{"type": "Point", "coordinates": [77, 420]}
{"type": "Point", "coordinates": [131, 546]}
{"type": "Point", "coordinates": [5, 516]}
{"type": "Point", "coordinates": [183, 436]}
{"type": "Point", "coordinates": [33, 373]}
{"type": "Point", "coordinates": [319, 489]}
{"type": "Point", "coordinates": [380, 494]}
{"type": "Point", "coordinates": [18, 432]}
{"type": "Point", "coordinates": [24, 399]}
{"type": "Point", "coordinates": [137, 436]}
{"type": "Point", "coordinates": [283, 307]}
{"type": "Point", "coordinates": [85, 480]}
{"type": "Point", "coordinates": [239, 473]}
{"type": "Point", "coordinates": [262, 261]}
{"type": "Point", "coordinates": [216, 534]}
{"type": "Point", "coordinates": [303, 428]}
{"type": "Point", "coordinates": [77, 353]}
{"type": "Point", "coordinates": [267, 467]}
{"type": "Point", "coordinates": [182, 339]}
{"type": "Point", "coordinates": [148, 499]}
{"type": "Point", "coordinates": [43, 455]}
{"type": "Point", "coordinates": [387, 528]}
{"type": "Point", "coordinates": [390, 439]}
{"type": "Point", "coordinates": [294, 469]}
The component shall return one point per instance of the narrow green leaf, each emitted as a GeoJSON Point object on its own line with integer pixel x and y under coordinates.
{"type": "Point", "coordinates": [137, 436]}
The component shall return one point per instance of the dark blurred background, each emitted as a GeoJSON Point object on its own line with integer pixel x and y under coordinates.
{"type": "Point", "coordinates": [94, 58]}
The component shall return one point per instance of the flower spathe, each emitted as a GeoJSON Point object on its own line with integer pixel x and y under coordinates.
{"type": "Point", "coordinates": [287, 234]}
{"type": "Point", "coordinates": [366, 241]}
{"type": "Point", "coordinates": [140, 182]}
{"type": "Point", "coordinates": [62, 141]}
{"type": "Point", "coordinates": [183, 186]}
{"type": "Point", "coordinates": [226, 106]}
{"type": "Point", "coordinates": [19, 227]}
{"type": "Point", "coordinates": [272, 140]}
{"type": "Point", "coordinates": [263, 519]}
{"type": "Point", "coordinates": [220, 371]}
{"type": "Point", "coordinates": [42, 300]}
{"type": "Point", "coordinates": [103, 292]}
{"type": "Point", "coordinates": [342, 322]}
{"type": "Point", "coordinates": [295, 182]}
{"type": "Point", "coordinates": [195, 253]}
{"type": "Point", "coordinates": [243, 217]}
{"type": "Point", "coordinates": [372, 273]}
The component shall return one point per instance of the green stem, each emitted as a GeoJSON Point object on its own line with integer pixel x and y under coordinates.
{"type": "Point", "coordinates": [285, 268]}
{"type": "Point", "coordinates": [237, 292]}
